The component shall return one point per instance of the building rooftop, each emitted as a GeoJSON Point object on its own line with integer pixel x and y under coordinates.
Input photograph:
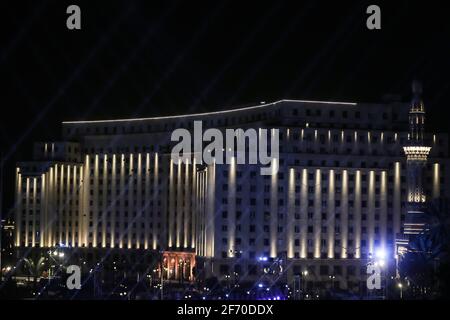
{"type": "Point", "coordinates": [262, 105]}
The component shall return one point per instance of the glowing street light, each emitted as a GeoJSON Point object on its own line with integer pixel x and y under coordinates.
{"type": "Point", "coordinates": [400, 285]}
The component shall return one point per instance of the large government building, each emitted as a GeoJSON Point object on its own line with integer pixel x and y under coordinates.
{"type": "Point", "coordinates": [351, 176]}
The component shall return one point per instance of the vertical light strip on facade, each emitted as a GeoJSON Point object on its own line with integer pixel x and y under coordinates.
{"type": "Point", "coordinates": [139, 207]}
{"type": "Point", "coordinates": [193, 203]}
{"type": "Point", "coordinates": [44, 208]}
{"type": "Point", "coordinates": [130, 200]}
{"type": "Point", "coordinates": [204, 223]}
{"type": "Point", "coordinates": [290, 219]}
{"type": "Point", "coordinates": [53, 206]}
{"type": "Point", "coordinates": [329, 144]}
{"type": "Point", "coordinates": [74, 200]}
{"type": "Point", "coordinates": [187, 205]}
{"type": "Point", "coordinates": [27, 209]}
{"type": "Point", "coordinates": [61, 204]}
{"type": "Point", "coordinates": [231, 207]}
{"type": "Point", "coordinates": [82, 187]}
{"type": "Point", "coordinates": [371, 211]}
{"type": "Point", "coordinates": [54, 218]}
{"type": "Point", "coordinates": [209, 204]}
{"type": "Point", "coordinates": [84, 225]}
{"type": "Point", "coordinates": [436, 181]}
{"type": "Point", "coordinates": [198, 205]}
{"type": "Point", "coordinates": [383, 209]}
{"type": "Point", "coordinates": [33, 217]}
{"type": "Point", "coordinates": [196, 211]}
{"type": "Point", "coordinates": [49, 207]}
{"type": "Point", "coordinates": [156, 198]}
{"type": "Point", "coordinates": [317, 218]}
{"type": "Point", "coordinates": [19, 198]}
{"type": "Point", "coordinates": [179, 210]}
{"type": "Point", "coordinates": [137, 220]}
{"type": "Point", "coordinates": [357, 214]}
{"type": "Point", "coordinates": [67, 207]}
{"type": "Point", "coordinates": [100, 201]}
{"type": "Point", "coordinates": [273, 210]}
{"type": "Point", "coordinates": [344, 216]}
{"type": "Point", "coordinates": [114, 203]}
{"type": "Point", "coordinates": [121, 230]}
{"type": "Point", "coordinates": [95, 208]}
{"type": "Point", "coordinates": [147, 209]}
{"type": "Point", "coordinates": [171, 205]}
{"type": "Point", "coordinates": [259, 216]}
{"type": "Point", "coordinates": [304, 214]}
{"type": "Point", "coordinates": [42, 222]}
{"type": "Point", "coordinates": [397, 198]}
{"type": "Point", "coordinates": [331, 214]}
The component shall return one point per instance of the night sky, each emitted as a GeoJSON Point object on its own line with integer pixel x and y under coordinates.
{"type": "Point", "coordinates": [148, 58]}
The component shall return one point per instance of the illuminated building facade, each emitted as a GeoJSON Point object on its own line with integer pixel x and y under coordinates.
{"type": "Point", "coordinates": [7, 244]}
{"type": "Point", "coordinates": [340, 194]}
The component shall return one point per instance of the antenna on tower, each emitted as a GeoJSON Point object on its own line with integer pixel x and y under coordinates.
{"type": "Point", "coordinates": [417, 88]}
{"type": "Point", "coordinates": [417, 103]}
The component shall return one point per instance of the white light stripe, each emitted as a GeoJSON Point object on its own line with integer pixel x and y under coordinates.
{"type": "Point", "coordinates": [211, 113]}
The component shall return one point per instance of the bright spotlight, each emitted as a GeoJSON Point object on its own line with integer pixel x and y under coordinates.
{"type": "Point", "coordinates": [380, 253]}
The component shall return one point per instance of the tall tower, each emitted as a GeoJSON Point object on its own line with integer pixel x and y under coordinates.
{"type": "Point", "coordinates": [416, 158]}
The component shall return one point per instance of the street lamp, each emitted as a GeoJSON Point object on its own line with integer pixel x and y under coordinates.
{"type": "Point", "coordinates": [400, 285]}
{"type": "Point", "coordinates": [331, 281]}
{"type": "Point", "coordinates": [380, 259]}
{"type": "Point", "coordinates": [303, 283]}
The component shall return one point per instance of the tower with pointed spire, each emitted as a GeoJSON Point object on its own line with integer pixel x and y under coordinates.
{"type": "Point", "coordinates": [416, 152]}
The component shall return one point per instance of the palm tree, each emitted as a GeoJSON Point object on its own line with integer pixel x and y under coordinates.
{"type": "Point", "coordinates": [421, 264]}
{"type": "Point", "coordinates": [34, 268]}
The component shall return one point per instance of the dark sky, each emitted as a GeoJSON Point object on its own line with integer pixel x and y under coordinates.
{"type": "Point", "coordinates": [145, 58]}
